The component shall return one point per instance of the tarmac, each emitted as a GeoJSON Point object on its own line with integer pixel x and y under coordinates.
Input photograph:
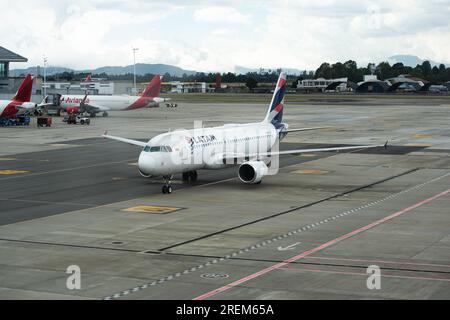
{"type": "Point", "coordinates": [316, 230]}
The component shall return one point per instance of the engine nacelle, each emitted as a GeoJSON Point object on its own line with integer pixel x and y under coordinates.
{"type": "Point", "coordinates": [252, 171]}
{"type": "Point", "coordinates": [152, 104]}
{"type": "Point", "coordinates": [71, 110]}
{"type": "Point", "coordinates": [27, 106]}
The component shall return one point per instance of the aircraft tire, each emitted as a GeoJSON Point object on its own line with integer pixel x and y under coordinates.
{"type": "Point", "coordinates": [193, 176]}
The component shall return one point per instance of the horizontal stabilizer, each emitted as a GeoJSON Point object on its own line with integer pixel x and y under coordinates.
{"type": "Point", "coordinates": [304, 129]}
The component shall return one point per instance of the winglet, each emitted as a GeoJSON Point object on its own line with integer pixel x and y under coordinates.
{"type": "Point", "coordinates": [386, 144]}
{"type": "Point", "coordinates": [105, 134]}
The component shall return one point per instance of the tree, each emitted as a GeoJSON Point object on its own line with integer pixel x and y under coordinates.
{"type": "Point", "coordinates": [417, 71]}
{"type": "Point", "coordinates": [351, 71]}
{"type": "Point", "coordinates": [251, 83]}
{"type": "Point", "coordinates": [324, 71]}
{"type": "Point", "coordinates": [384, 71]}
{"type": "Point", "coordinates": [426, 68]}
{"type": "Point", "coordinates": [338, 70]}
{"type": "Point", "coordinates": [398, 69]}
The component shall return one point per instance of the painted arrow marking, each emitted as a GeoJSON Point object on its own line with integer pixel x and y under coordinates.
{"type": "Point", "coordinates": [292, 246]}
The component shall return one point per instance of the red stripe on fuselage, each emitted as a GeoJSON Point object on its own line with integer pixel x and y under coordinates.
{"type": "Point", "coordinates": [10, 110]}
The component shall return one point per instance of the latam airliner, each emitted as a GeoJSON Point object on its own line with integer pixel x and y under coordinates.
{"type": "Point", "coordinates": [252, 147]}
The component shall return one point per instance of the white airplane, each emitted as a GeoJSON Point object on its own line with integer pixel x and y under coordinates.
{"type": "Point", "coordinates": [252, 146]}
{"type": "Point", "coordinates": [103, 103]}
{"type": "Point", "coordinates": [20, 103]}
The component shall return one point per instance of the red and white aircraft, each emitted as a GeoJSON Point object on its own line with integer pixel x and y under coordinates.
{"type": "Point", "coordinates": [102, 103]}
{"type": "Point", "coordinates": [20, 103]}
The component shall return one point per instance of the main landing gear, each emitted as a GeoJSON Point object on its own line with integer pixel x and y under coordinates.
{"type": "Point", "coordinates": [190, 176]}
{"type": "Point", "coordinates": [167, 188]}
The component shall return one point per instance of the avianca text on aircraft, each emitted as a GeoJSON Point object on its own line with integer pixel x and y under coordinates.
{"type": "Point", "coordinates": [20, 103]}
{"type": "Point", "coordinates": [251, 146]}
{"type": "Point", "coordinates": [102, 103]}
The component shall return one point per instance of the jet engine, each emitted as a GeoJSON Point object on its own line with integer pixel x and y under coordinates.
{"type": "Point", "coordinates": [252, 171]}
{"type": "Point", "coordinates": [27, 106]}
{"type": "Point", "coordinates": [71, 110]}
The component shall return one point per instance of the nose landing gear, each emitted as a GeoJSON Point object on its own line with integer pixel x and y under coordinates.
{"type": "Point", "coordinates": [167, 188]}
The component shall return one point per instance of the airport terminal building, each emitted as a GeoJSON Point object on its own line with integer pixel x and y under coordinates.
{"type": "Point", "coordinates": [8, 84]}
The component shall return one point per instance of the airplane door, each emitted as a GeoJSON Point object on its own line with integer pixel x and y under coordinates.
{"type": "Point", "coordinates": [57, 99]}
{"type": "Point", "coordinates": [187, 150]}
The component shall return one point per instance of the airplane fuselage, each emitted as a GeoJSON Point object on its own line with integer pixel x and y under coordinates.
{"type": "Point", "coordinates": [189, 150]}
{"type": "Point", "coordinates": [11, 108]}
{"type": "Point", "coordinates": [114, 103]}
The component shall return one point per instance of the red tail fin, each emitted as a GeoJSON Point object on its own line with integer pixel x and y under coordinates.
{"type": "Point", "coordinates": [24, 92]}
{"type": "Point", "coordinates": [88, 78]}
{"type": "Point", "coordinates": [153, 88]}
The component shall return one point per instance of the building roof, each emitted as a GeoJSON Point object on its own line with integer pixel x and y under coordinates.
{"type": "Point", "coordinates": [9, 56]}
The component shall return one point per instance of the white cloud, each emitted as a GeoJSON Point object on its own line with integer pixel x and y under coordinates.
{"type": "Point", "coordinates": [85, 34]}
{"type": "Point", "coordinates": [220, 14]}
{"type": "Point", "coordinates": [220, 32]}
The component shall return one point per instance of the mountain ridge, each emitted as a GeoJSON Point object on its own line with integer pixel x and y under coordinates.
{"type": "Point", "coordinates": [141, 69]}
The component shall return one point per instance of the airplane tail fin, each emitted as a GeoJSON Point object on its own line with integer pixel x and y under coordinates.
{"type": "Point", "coordinates": [24, 92]}
{"type": "Point", "coordinates": [275, 111]}
{"type": "Point", "coordinates": [153, 88]}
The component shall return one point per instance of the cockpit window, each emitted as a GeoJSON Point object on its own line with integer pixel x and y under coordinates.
{"type": "Point", "coordinates": [157, 149]}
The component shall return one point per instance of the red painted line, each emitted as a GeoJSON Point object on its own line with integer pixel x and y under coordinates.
{"type": "Point", "coordinates": [319, 248]}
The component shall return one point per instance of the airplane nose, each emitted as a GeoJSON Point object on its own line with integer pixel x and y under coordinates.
{"type": "Point", "coordinates": [146, 164]}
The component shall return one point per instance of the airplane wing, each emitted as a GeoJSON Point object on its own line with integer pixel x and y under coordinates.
{"type": "Point", "coordinates": [92, 107]}
{"type": "Point", "coordinates": [45, 105]}
{"type": "Point", "coordinates": [300, 151]}
{"type": "Point", "coordinates": [129, 141]}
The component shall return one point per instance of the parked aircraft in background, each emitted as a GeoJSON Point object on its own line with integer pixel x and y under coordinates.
{"type": "Point", "coordinates": [94, 104]}
{"type": "Point", "coordinates": [252, 146]}
{"type": "Point", "coordinates": [20, 103]}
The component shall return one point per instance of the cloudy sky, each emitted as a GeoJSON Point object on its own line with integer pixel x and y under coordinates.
{"type": "Point", "coordinates": [218, 35]}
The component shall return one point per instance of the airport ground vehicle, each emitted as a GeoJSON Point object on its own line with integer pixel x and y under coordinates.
{"type": "Point", "coordinates": [73, 118]}
{"type": "Point", "coordinates": [171, 105]}
{"type": "Point", "coordinates": [44, 121]}
{"type": "Point", "coordinates": [21, 120]}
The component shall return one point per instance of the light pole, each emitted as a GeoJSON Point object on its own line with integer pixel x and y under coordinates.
{"type": "Point", "coordinates": [134, 68]}
{"type": "Point", "coordinates": [45, 76]}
